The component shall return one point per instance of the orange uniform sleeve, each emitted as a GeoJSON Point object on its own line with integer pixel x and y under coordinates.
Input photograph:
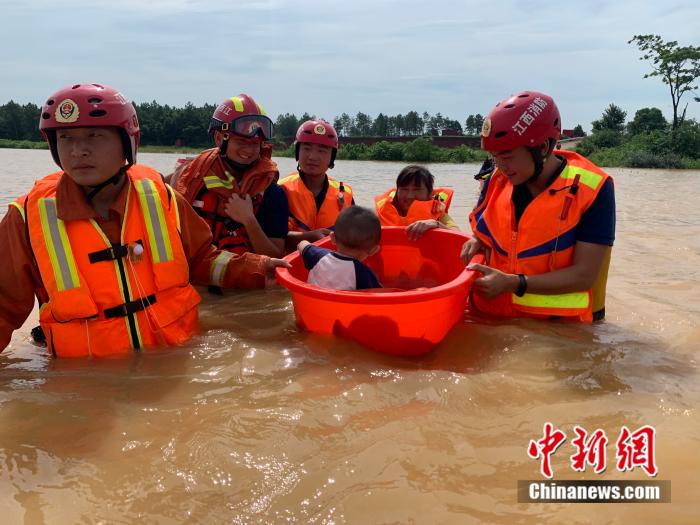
{"type": "Point", "coordinates": [19, 276]}
{"type": "Point", "coordinates": [210, 266]}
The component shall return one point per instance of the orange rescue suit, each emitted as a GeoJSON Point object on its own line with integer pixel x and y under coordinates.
{"type": "Point", "coordinates": [303, 216]}
{"type": "Point", "coordinates": [102, 299]}
{"type": "Point", "coordinates": [543, 241]}
{"type": "Point", "coordinates": [207, 184]}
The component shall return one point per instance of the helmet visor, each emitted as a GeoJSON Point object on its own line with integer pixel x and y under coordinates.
{"type": "Point", "coordinates": [252, 125]}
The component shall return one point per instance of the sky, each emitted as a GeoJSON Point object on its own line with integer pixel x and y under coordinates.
{"type": "Point", "coordinates": [327, 57]}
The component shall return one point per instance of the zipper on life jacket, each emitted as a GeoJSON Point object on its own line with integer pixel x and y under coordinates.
{"type": "Point", "coordinates": [512, 253]}
{"type": "Point", "coordinates": [566, 206]}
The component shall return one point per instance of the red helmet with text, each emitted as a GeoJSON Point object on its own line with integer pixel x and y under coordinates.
{"type": "Point", "coordinates": [242, 116]}
{"type": "Point", "coordinates": [90, 105]}
{"type": "Point", "coordinates": [525, 119]}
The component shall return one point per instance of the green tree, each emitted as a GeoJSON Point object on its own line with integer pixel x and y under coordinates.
{"type": "Point", "coordinates": [380, 125]}
{"type": "Point", "coordinates": [578, 131]}
{"type": "Point", "coordinates": [647, 119]}
{"type": "Point", "coordinates": [469, 126]}
{"type": "Point", "coordinates": [11, 121]}
{"type": "Point", "coordinates": [478, 123]}
{"type": "Point", "coordinates": [286, 126]}
{"type": "Point", "coordinates": [426, 124]}
{"type": "Point", "coordinates": [686, 139]}
{"type": "Point", "coordinates": [678, 67]}
{"type": "Point", "coordinates": [413, 123]}
{"type": "Point", "coordinates": [342, 125]}
{"type": "Point", "coordinates": [453, 124]}
{"type": "Point", "coordinates": [613, 119]}
{"type": "Point", "coordinates": [363, 125]}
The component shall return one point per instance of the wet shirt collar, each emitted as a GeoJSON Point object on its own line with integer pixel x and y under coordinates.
{"type": "Point", "coordinates": [71, 204]}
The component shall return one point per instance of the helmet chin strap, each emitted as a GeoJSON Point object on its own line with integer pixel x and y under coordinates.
{"type": "Point", "coordinates": [539, 161]}
{"type": "Point", "coordinates": [224, 144]}
{"type": "Point", "coordinates": [114, 179]}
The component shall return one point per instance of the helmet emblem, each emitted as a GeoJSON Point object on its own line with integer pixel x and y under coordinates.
{"type": "Point", "coordinates": [486, 128]}
{"type": "Point", "coordinates": [320, 129]}
{"type": "Point", "coordinates": [67, 112]}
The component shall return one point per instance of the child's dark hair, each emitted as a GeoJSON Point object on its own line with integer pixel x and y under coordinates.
{"type": "Point", "coordinates": [416, 174]}
{"type": "Point", "coordinates": [358, 228]}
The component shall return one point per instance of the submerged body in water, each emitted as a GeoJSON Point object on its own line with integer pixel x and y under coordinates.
{"type": "Point", "coordinates": [257, 421]}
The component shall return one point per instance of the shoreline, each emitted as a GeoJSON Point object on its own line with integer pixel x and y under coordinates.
{"type": "Point", "coordinates": [288, 153]}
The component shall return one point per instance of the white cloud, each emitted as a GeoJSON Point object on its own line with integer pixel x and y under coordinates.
{"type": "Point", "coordinates": [332, 56]}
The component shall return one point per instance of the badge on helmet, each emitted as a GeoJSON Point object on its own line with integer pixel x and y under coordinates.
{"type": "Point", "coordinates": [67, 112]}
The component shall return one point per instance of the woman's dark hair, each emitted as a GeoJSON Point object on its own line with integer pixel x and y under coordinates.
{"type": "Point", "coordinates": [416, 174]}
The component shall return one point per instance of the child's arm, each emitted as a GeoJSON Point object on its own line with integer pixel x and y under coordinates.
{"type": "Point", "coordinates": [302, 245]}
{"type": "Point", "coordinates": [293, 238]}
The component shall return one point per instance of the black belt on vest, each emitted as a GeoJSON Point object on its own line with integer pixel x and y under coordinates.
{"type": "Point", "coordinates": [116, 251]}
{"type": "Point", "coordinates": [130, 308]}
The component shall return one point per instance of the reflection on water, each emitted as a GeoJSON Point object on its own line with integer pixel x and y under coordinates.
{"type": "Point", "coordinates": [255, 421]}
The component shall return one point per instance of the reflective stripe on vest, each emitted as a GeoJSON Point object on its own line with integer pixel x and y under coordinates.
{"type": "Point", "coordinates": [544, 241]}
{"type": "Point", "coordinates": [590, 179]}
{"type": "Point", "coordinates": [58, 246]}
{"type": "Point", "coordinates": [20, 208]}
{"type": "Point", "coordinates": [289, 178]}
{"type": "Point", "coordinates": [155, 220]}
{"type": "Point", "coordinates": [390, 197]}
{"type": "Point", "coordinates": [217, 271]}
{"type": "Point", "coordinates": [346, 189]}
{"type": "Point", "coordinates": [564, 300]}
{"type": "Point", "coordinates": [134, 336]}
{"type": "Point", "coordinates": [212, 181]}
{"type": "Point", "coordinates": [173, 198]}
{"type": "Point", "coordinates": [112, 305]}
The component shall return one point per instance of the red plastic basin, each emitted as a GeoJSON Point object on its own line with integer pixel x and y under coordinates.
{"type": "Point", "coordinates": [401, 323]}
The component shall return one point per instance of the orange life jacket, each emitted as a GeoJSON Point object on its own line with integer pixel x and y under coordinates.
{"type": "Point", "coordinates": [543, 241]}
{"type": "Point", "coordinates": [206, 183]}
{"type": "Point", "coordinates": [303, 216]}
{"type": "Point", "coordinates": [435, 208]}
{"type": "Point", "coordinates": [101, 299]}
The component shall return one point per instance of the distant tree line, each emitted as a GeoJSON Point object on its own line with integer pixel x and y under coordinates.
{"type": "Point", "coordinates": [165, 125]}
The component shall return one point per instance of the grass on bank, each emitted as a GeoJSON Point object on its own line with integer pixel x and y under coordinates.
{"type": "Point", "coordinates": [22, 144]}
{"type": "Point", "coordinates": [642, 152]}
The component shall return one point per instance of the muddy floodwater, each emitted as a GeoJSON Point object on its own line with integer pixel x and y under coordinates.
{"type": "Point", "coordinates": [255, 421]}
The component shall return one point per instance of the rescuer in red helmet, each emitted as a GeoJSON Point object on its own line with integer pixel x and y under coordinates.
{"type": "Point", "coordinates": [545, 219]}
{"type": "Point", "coordinates": [233, 186]}
{"type": "Point", "coordinates": [104, 244]}
{"type": "Point", "coordinates": [315, 199]}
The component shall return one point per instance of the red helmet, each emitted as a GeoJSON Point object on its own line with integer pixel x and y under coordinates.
{"type": "Point", "coordinates": [317, 132]}
{"type": "Point", "coordinates": [242, 116]}
{"type": "Point", "coordinates": [90, 105]}
{"type": "Point", "coordinates": [526, 119]}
